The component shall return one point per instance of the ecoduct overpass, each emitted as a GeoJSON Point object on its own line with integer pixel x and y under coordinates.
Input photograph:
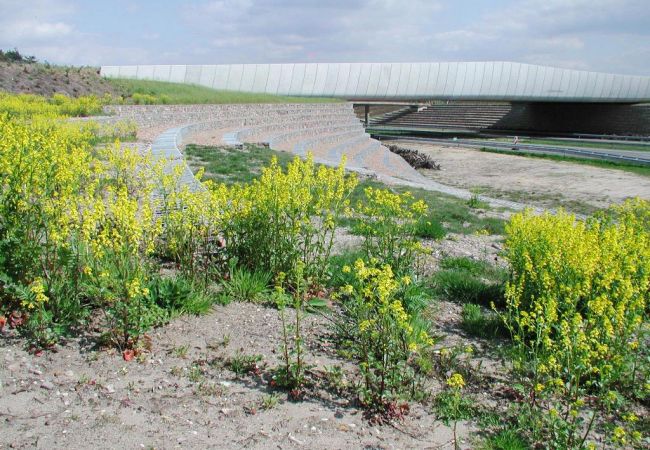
{"type": "Point", "coordinates": [534, 99]}
{"type": "Point", "coordinates": [481, 81]}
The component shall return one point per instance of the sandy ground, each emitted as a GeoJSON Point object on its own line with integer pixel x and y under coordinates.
{"type": "Point", "coordinates": [182, 394]}
{"type": "Point", "coordinates": [533, 181]}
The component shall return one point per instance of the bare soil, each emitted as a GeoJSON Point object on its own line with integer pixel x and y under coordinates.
{"type": "Point", "coordinates": [181, 395]}
{"type": "Point", "coordinates": [543, 183]}
{"type": "Point", "coordinates": [47, 80]}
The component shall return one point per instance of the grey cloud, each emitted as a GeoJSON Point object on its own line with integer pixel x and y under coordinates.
{"type": "Point", "coordinates": [608, 35]}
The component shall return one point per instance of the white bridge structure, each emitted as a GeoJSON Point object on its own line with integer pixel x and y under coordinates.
{"type": "Point", "coordinates": [481, 81]}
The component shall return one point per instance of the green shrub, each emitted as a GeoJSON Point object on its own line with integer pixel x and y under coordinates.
{"type": "Point", "coordinates": [450, 406]}
{"type": "Point", "coordinates": [577, 308]}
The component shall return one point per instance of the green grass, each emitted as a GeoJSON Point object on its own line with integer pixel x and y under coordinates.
{"type": "Point", "coordinates": [246, 285]}
{"type": "Point", "coordinates": [583, 144]}
{"type": "Point", "coordinates": [627, 167]}
{"type": "Point", "coordinates": [180, 296]}
{"type": "Point", "coordinates": [242, 364]}
{"type": "Point", "coordinates": [479, 322]}
{"type": "Point", "coordinates": [179, 93]}
{"type": "Point", "coordinates": [430, 228]}
{"type": "Point", "coordinates": [231, 165]}
{"type": "Point", "coordinates": [471, 266]}
{"type": "Point", "coordinates": [550, 199]}
{"type": "Point", "coordinates": [465, 280]}
{"type": "Point", "coordinates": [446, 214]}
{"type": "Point", "coordinates": [455, 214]}
{"type": "Point", "coordinates": [506, 439]}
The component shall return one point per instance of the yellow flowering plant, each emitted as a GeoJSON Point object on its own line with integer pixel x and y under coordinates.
{"type": "Point", "coordinates": [576, 307]}
{"type": "Point", "coordinates": [59, 105]}
{"type": "Point", "coordinates": [44, 166]}
{"type": "Point", "coordinates": [77, 222]}
{"type": "Point", "coordinates": [192, 220]}
{"type": "Point", "coordinates": [381, 332]}
{"type": "Point", "coordinates": [120, 230]}
{"type": "Point", "coordinates": [286, 217]}
{"type": "Point", "coordinates": [389, 227]}
{"type": "Point", "coordinates": [455, 383]}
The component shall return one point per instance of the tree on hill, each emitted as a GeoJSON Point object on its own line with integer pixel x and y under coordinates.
{"type": "Point", "coordinates": [14, 56]}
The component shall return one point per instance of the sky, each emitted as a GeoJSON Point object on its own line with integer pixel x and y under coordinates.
{"type": "Point", "coordinates": [600, 35]}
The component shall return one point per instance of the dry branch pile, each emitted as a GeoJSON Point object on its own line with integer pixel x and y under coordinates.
{"type": "Point", "coordinates": [415, 159]}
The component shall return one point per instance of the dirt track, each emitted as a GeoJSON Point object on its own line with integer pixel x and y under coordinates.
{"type": "Point", "coordinates": [535, 181]}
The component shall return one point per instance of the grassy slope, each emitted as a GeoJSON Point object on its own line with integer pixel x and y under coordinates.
{"type": "Point", "coordinates": [179, 93]}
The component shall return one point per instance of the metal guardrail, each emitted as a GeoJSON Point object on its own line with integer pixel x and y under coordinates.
{"type": "Point", "coordinates": [528, 147]}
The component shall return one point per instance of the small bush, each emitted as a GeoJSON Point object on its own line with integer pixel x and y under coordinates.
{"type": "Point", "coordinates": [450, 406]}
{"type": "Point", "coordinates": [382, 333]}
{"type": "Point", "coordinates": [291, 374]}
{"type": "Point", "coordinates": [577, 309]}
{"type": "Point", "coordinates": [14, 56]}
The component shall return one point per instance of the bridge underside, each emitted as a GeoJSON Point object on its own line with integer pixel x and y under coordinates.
{"type": "Point", "coordinates": [519, 117]}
